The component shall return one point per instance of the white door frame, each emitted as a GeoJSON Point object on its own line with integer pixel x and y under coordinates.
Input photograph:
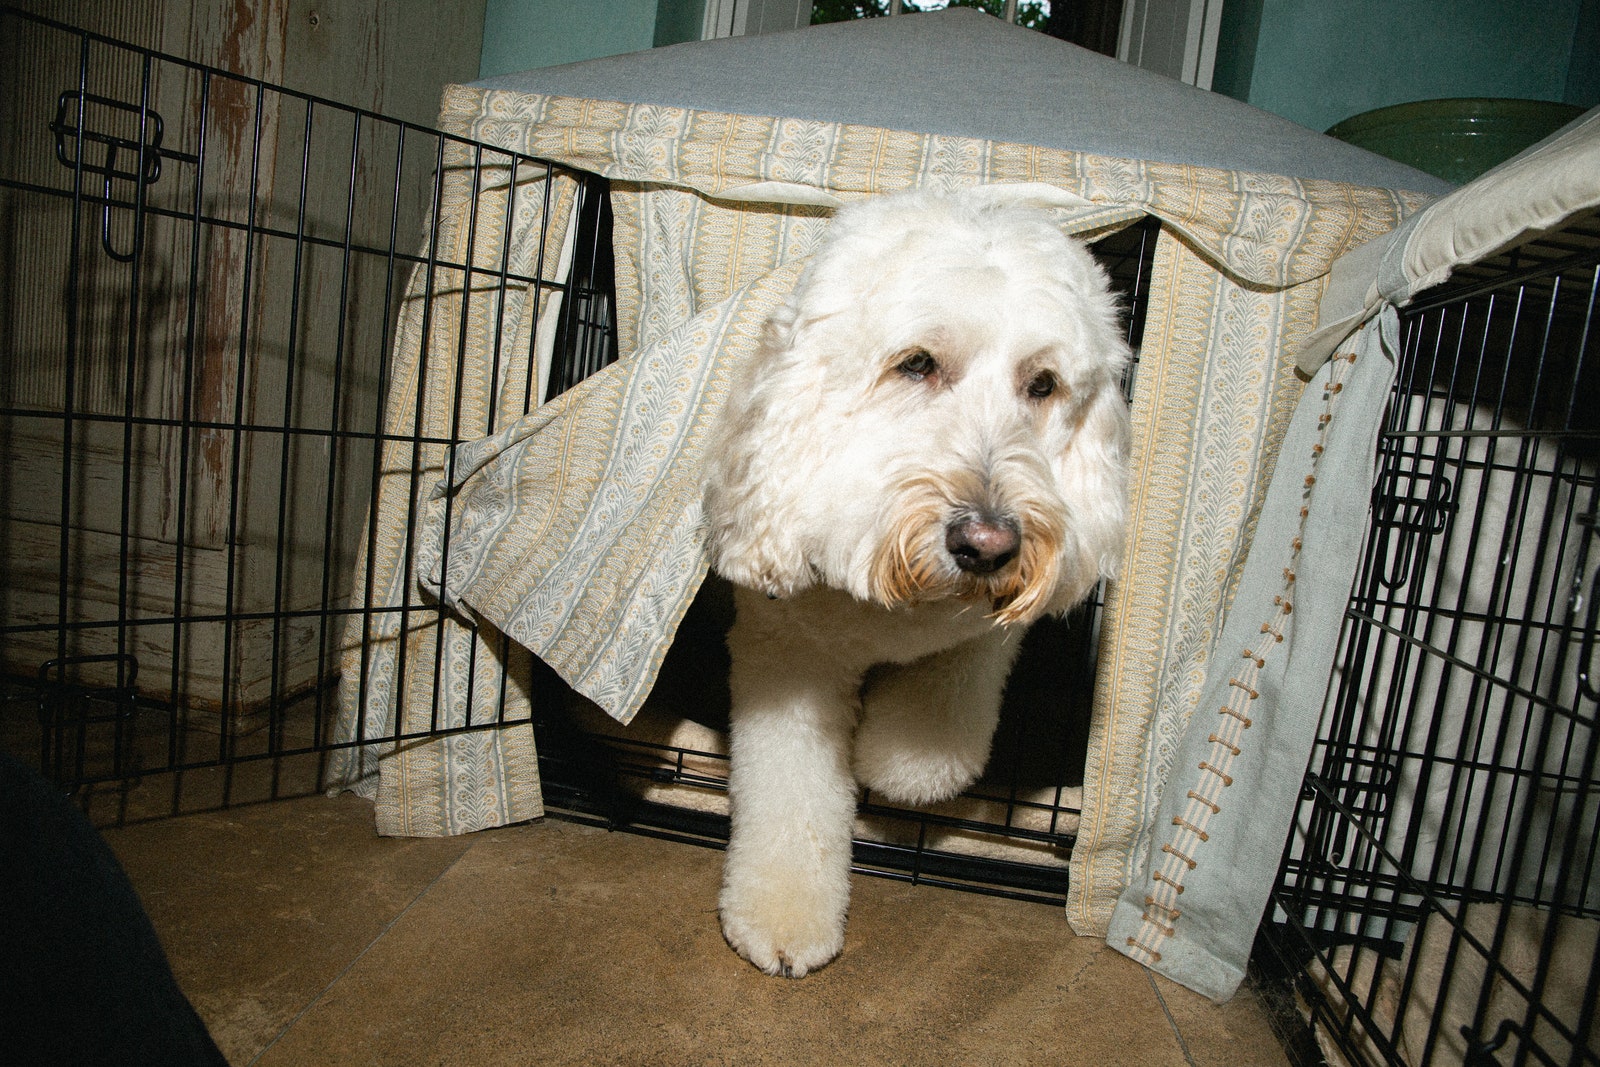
{"type": "Point", "coordinates": [1177, 38]}
{"type": "Point", "coordinates": [735, 18]}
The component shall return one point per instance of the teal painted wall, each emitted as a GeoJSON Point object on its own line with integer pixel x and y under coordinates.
{"type": "Point", "coordinates": [678, 21]}
{"type": "Point", "coordinates": [523, 34]}
{"type": "Point", "coordinates": [1319, 61]}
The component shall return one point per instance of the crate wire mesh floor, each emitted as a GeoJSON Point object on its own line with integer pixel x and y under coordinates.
{"type": "Point", "coordinates": [214, 267]}
{"type": "Point", "coordinates": [1440, 900]}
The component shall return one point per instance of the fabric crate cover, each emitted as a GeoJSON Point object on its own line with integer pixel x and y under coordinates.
{"type": "Point", "coordinates": [576, 532]}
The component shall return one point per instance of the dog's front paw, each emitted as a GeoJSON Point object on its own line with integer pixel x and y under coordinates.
{"type": "Point", "coordinates": [783, 930]}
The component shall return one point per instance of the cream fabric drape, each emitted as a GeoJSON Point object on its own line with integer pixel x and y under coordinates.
{"type": "Point", "coordinates": [1213, 840]}
{"type": "Point", "coordinates": [465, 359]}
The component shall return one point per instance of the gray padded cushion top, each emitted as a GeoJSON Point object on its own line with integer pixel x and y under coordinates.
{"type": "Point", "coordinates": [967, 74]}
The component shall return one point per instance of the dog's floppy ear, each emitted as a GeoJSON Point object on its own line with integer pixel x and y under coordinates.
{"type": "Point", "coordinates": [1092, 477]}
{"type": "Point", "coordinates": [753, 469]}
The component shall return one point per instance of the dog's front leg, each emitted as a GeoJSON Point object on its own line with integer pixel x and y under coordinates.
{"type": "Point", "coordinates": [926, 726]}
{"type": "Point", "coordinates": [786, 878]}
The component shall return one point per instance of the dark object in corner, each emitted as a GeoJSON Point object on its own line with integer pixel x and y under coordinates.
{"type": "Point", "coordinates": [85, 979]}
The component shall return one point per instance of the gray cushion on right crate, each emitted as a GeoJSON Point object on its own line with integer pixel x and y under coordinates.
{"type": "Point", "coordinates": [1002, 83]}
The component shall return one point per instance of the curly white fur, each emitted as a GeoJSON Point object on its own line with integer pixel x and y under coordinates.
{"type": "Point", "coordinates": [928, 454]}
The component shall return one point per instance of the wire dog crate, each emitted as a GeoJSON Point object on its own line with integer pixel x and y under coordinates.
{"type": "Point", "coordinates": [1440, 899]}
{"type": "Point", "coordinates": [202, 277]}
{"type": "Point", "coordinates": [201, 280]}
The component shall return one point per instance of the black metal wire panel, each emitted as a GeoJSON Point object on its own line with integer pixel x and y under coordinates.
{"type": "Point", "coordinates": [200, 279]}
{"type": "Point", "coordinates": [1440, 898]}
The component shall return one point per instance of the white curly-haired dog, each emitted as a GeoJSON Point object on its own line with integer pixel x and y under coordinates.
{"type": "Point", "coordinates": [928, 454]}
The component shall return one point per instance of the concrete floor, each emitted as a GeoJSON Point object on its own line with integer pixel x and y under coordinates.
{"type": "Point", "coordinates": [303, 938]}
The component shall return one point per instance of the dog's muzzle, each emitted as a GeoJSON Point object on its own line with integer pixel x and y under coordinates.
{"type": "Point", "coordinates": [982, 544]}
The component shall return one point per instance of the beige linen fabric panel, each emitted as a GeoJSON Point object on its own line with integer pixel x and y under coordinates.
{"type": "Point", "coordinates": [610, 466]}
{"type": "Point", "coordinates": [461, 362]}
{"type": "Point", "coordinates": [1265, 229]}
{"type": "Point", "coordinates": [1211, 405]}
{"type": "Point", "coordinates": [679, 253]}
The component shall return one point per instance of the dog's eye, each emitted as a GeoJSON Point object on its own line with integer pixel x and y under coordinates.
{"type": "Point", "coordinates": [1042, 385]}
{"type": "Point", "coordinates": [918, 365]}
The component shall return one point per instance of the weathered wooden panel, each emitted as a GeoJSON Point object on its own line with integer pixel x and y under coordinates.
{"type": "Point", "coordinates": [195, 646]}
{"type": "Point", "coordinates": [195, 403]}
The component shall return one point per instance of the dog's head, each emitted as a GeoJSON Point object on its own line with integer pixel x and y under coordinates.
{"type": "Point", "coordinates": [936, 412]}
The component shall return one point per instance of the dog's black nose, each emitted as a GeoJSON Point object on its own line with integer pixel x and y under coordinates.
{"type": "Point", "coordinates": [982, 545]}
